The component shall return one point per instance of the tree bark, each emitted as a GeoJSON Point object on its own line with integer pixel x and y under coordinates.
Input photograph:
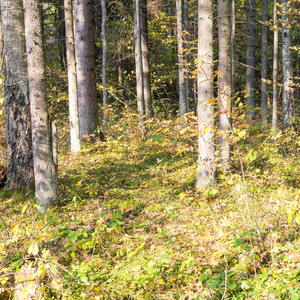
{"type": "Point", "coordinates": [186, 57]}
{"type": "Point", "coordinates": [139, 66]}
{"type": "Point", "coordinates": [44, 165]}
{"type": "Point", "coordinates": [85, 62]}
{"type": "Point", "coordinates": [205, 87]}
{"type": "Point", "coordinates": [250, 57]}
{"type": "Point", "coordinates": [224, 37]}
{"type": "Point", "coordinates": [288, 91]}
{"type": "Point", "coordinates": [181, 67]}
{"type": "Point", "coordinates": [104, 62]}
{"type": "Point", "coordinates": [275, 69]}
{"type": "Point", "coordinates": [264, 62]}
{"type": "Point", "coordinates": [18, 124]}
{"type": "Point", "coordinates": [145, 59]}
{"type": "Point", "coordinates": [72, 79]}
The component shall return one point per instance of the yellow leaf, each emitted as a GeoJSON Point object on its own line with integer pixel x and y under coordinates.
{"type": "Point", "coordinates": [263, 270]}
{"type": "Point", "coordinates": [290, 216]}
{"type": "Point", "coordinates": [41, 271]}
{"type": "Point", "coordinates": [230, 182]}
{"type": "Point", "coordinates": [298, 219]}
{"type": "Point", "coordinates": [24, 208]}
{"type": "Point", "coordinates": [181, 196]}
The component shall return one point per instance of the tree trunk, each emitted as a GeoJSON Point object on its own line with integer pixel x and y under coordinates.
{"type": "Point", "coordinates": [205, 87]}
{"type": "Point", "coordinates": [44, 165]}
{"type": "Point", "coordinates": [72, 80]}
{"type": "Point", "coordinates": [186, 57]}
{"type": "Point", "coordinates": [85, 62]}
{"type": "Point", "coordinates": [288, 92]}
{"type": "Point", "coordinates": [224, 37]}
{"type": "Point", "coordinates": [264, 62]}
{"type": "Point", "coordinates": [104, 62]}
{"type": "Point", "coordinates": [233, 51]}
{"type": "Point", "coordinates": [139, 66]}
{"type": "Point", "coordinates": [62, 35]}
{"type": "Point", "coordinates": [250, 58]}
{"type": "Point", "coordinates": [275, 69]}
{"type": "Point", "coordinates": [145, 60]}
{"type": "Point", "coordinates": [18, 124]}
{"type": "Point", "coordinates": [181, 67]}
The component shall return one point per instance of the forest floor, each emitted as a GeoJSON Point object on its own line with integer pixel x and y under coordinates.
{"type": "Point", "coordinates": [130, 224]}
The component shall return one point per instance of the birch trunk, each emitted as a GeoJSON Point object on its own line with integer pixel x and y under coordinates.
{"type": "Point", "coordinates": [72, 80]}
{"type": "Point", "coordinates": [205, 85]}
{"type": "Point", "coordinates": [288, 92]}
{"type": "Point", "coordinates": [224, 38]}
{"type": "Point", "coordinates": [44, 165]}
{"type": "Point", "coordinates": [18, 124]}
{"type": "Point", "coordinates": [85, 63]}
{"type": "Point", "coordinates": [250, 57]}
{"type": "Point", "coordinates": [264, 62]}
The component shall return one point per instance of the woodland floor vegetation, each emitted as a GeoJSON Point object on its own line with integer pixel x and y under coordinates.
{"type": "Point", "coordinates": [130, 224]}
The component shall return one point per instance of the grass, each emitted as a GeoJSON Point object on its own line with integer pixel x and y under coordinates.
{"type": "Point", "coordinates": [129, 223]}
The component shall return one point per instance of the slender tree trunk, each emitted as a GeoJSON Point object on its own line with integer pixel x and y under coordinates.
{"type": "Point", "coordinates": [205, 85]}
{"type": "Point", "coordinates": [275, 69]}
{"type": "Point", "coordinates": [139, 66]}
{"type": "Point", "coordinates": [233, 51]}
{"type": "Point", "coordinates": [145, 59]}
{"type": "Point", "coordinates": [298, 76]}
{"type": "Point", "coordinates": [104, 61]}
{"type": "Point", "coordinates": [224, 37]}
{"type": "Point", "coordinates": [85, 63]}
{"type": "Point", "coordinates": [186, 57]}
{"type": "Point", "coordinates": [250, 57]}
{"type": "Point", "coordinates": [181, 65]}
{"type": "Point", "coordinates": [264, 62]}
{"type": "Point", "coordinates": [18, 124]}
{"type": "Point", "coordinates": [61, 35]}
{"type": "Point", "coordinates": [288, 92]}
{"type": "Point", "coordinates": [44, 165]}
{"type": "Point", "coordinates": [72, 80]}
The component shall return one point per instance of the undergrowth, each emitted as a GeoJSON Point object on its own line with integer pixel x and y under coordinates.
{"type": "Point", "coordinates": [129, 223]}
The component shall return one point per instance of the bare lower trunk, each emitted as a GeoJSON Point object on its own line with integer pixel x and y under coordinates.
{"type": "Point", "coordinates": [186, 56]}
{"type": "Point", "coordinates": [205, 85]}
{"type": "Point", "coordinates": [224, 37]}
{"type": "Point", "coordinates": [145, 59]}
{"type": "Point", "coordinates": [275, 69]}
{"type": "Point", "coordinates": [85, 62]}
{"type": "Point", "coordinates": [139, 67]}
{"type": "Point", "coordinates": [264, 62]}
{"type": "Point", "coordinates": [250, 57]}
{"type": "Point", "coordinates": [44, 165]}
{"type": "Point", "coordinates": [104, 62]}
{"type": "Point", "coordinates": [72, 80]}
{"type": "Point", "coordinates": [18, 124]}
{"type": "Point", "coordinates": [181, 68]}
{"type": "Point", "coordinates": [288, 92]}
{"type": "Point", "coordinates": [233, 51]}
